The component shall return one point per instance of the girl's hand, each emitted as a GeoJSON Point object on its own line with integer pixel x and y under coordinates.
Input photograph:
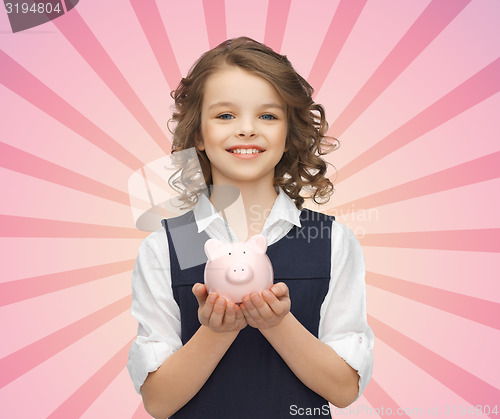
{"type": "Point", "coordinates": [267, 309]}
{"type": "Point", "coordinates": [217, 313]}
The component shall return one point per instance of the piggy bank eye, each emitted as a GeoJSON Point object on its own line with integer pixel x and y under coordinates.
{"type": "Point", "coordinates": [243, 252]}
{"type": "Point", "coordinates": [229, 253]}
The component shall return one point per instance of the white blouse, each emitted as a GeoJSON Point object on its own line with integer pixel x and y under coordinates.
{"type": "Point", "coordinates": [342, 326]}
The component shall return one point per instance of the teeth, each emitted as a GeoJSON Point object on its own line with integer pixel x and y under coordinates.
{"type": "Point", "coordinates": [245, 151]}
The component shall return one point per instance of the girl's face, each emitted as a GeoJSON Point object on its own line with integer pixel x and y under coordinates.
{"type": "Point", "coordinates": [242, 112]}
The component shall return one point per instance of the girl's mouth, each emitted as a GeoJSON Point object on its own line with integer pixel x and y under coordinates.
{"type": "Point", "coordinates": [242, 153]}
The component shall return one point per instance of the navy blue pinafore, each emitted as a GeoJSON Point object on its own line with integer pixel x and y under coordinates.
{"type": "Point", "coordinates": [252, 380]}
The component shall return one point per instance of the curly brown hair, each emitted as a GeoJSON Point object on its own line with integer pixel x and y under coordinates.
{"type": "Point", "coordinates": [301, 167]}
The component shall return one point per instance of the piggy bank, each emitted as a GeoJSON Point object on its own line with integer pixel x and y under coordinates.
{"type": "Point", "coordinates": [238, 269]}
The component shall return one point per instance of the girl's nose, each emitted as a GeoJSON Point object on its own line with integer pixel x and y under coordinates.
{"type": "Point", "coordinates": [246, 133]}
{"type": "Point", "coordinates": [246, 129]}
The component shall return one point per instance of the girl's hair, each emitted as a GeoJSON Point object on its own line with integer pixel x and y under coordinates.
{"type": "Point", "coordinates": [300, 167]}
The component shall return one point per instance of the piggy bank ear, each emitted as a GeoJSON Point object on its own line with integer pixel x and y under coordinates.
{"type": "Point", "coordinates": [259, 242]}
{"type": "Point", "coordinates": [214, 248]}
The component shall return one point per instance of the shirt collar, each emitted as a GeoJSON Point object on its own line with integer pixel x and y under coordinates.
{"type": "Point", "coordinates": [283, 209]}
{"type": "Point", "coordinates": [204, 212]}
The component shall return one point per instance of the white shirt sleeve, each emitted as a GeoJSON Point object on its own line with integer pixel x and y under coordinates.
{"type": "Point", "coordinates": [154, 308]}
{"type": "Point", "coordinates": [343, 324]}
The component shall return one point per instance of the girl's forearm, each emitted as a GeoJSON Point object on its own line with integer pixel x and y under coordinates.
{"type": "Point", "coordinates": [184, 372]}
{"type": "Point", "coordinates": [316, 364]}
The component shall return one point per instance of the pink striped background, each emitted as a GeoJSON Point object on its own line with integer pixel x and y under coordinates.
{"type": "Point", "coordinates": [411, 91]}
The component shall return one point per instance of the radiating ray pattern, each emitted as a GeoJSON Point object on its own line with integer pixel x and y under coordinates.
{"type": "Point", "coordinates": [85, 101]}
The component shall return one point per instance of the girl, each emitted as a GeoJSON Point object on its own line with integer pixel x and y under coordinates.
{"type": "Point", "coordinates": [284, 352]}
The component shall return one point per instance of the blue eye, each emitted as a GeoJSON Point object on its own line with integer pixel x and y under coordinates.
{"type": "Point", "coordinates": [227, 116]}
{"type": "Point", "coordinates": [271, 117]}
{"type": "Point", "coordinates": [224, 115]}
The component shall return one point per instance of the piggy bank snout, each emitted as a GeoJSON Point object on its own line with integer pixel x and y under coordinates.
{"type": "Point", "coordinates": [239, 273]}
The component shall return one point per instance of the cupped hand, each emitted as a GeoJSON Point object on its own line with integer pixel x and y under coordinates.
{"type": "Point", "coordinates": [268, 308]}
{"type": "Point", "coordinates": [217, 313]}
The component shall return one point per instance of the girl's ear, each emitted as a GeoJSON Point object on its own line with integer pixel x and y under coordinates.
{"type": "Point", "coordinates": [199, 142]}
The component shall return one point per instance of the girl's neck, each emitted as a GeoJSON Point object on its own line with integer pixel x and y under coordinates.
{"type": "Point", "coordinates": [248, 214]}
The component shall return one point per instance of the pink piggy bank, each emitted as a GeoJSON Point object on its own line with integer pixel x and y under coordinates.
{"type": "Point", "coordinates": [238, 269]}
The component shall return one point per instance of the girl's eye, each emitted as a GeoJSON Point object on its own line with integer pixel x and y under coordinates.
{"type": "Point", "coordinates": [268, 117]}
{"type": "Point", "coordinates": [225, 116]}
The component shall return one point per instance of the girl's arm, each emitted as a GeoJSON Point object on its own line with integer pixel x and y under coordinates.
{"type": "Point", "coordinates": [338, 364]}
{"type": "Point", "coordinates": [185, 372]}
{"type": "Point", "coordinates": [166, 374]}
{"type": "Point", "coordinates": [314, 363]}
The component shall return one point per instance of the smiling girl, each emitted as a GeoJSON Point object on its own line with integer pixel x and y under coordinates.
{"type": "Point", "coordinates": [287, 350]}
